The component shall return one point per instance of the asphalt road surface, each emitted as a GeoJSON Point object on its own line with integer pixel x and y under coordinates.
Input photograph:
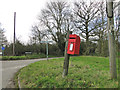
{"type": "Point", "coordinates": [9, 68]}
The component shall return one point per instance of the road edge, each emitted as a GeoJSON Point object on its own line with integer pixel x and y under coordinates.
{"type": "Point", "coordinates": [15, 79]}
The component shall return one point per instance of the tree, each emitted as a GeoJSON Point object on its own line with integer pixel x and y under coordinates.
{"type": "Point", "coordinates": [19, 48]}
{"type": "Point", "coordinates": [3, 40]}
{"type": "Point", "coordinates": [117, 25]}
{"type": "Point", "coordinates": [37, 34]}
{"type": "Point", "coordinates": [57, 20]}
{"type": "Point", "coordinates": [85, 20]}
{"type": "Point", "coordinates": [101, 31]}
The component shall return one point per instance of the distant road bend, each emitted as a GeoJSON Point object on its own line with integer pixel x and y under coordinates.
{"type": "Point", "coordinates": [9, 68]}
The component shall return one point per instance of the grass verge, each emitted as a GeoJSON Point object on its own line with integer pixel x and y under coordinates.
{"type": "Point", "coordinates": [84, 72]}
{"type": "Point", "coordinates": [33, 56]}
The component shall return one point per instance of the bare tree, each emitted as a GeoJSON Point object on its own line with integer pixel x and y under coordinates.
{"type": "Point", "coordinates": [117, 23]}
{"type": "Point", "coordinates": [3, 39]}
{"type": "Point", "coordinates": [85, 19]}
{"type": "Point", "coordinates": [57, 20]}
{"type": "Point", "coordinates": [36, 34]}
{"type": "Point", "coordinates": [101, 31]}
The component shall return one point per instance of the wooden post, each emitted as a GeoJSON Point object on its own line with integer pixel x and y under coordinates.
{"type": "Point", "coordinates": [67, 56]}
{"type": "Point", "coordinates": [111, 41]}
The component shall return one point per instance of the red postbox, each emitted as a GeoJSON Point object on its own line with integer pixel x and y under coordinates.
{"type": "Point", "coordinates": [73, 44]}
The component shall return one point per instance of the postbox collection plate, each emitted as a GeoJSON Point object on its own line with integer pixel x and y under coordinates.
{"type": "Point", "coordinates": [71, 47]}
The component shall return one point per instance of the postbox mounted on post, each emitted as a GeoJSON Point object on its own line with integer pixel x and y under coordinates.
{"type": "Point", "coordinates": [73, 44]}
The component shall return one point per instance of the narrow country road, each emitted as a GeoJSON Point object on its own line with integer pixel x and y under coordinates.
{"type": "Point", "coordinates": [9, 68]}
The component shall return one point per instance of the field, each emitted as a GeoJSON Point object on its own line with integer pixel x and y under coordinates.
{"type": "Point", "coordinates": [84, 72]}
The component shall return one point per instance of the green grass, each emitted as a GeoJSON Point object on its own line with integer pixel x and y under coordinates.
{"type": "Point", "coordinates": [0, 57]}
{"type": "Point", "coordinates": [84, 72]}
{"type": "Point", "coordinates": [13, 57]}
{"type": "Point", "coordinates": [33, 56]}
{"type": "Point", "coordinates": [118, 53]}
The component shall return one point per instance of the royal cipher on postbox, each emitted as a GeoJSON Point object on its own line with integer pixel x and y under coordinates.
{"type": "Point", "coordinates": [73, 44]}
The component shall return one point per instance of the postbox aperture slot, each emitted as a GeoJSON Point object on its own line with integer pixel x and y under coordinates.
{"type": "Point", "coordinates": [72, 38]}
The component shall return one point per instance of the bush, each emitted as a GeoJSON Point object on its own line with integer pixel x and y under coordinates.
{"type": "Point", "coordinates": [14, 57]}
{"type": "Point", "coordinates": [33, 56]}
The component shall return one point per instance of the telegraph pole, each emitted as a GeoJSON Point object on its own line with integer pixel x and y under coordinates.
{"type": "Point", "coordinates": [14, 34]}
{"type": "Point", "coordinates": [111, 41]}
{"type": "Point", "coordinates": [67, 56]}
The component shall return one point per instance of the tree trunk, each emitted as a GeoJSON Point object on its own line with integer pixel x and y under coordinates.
{"type": "Point", "coordinates": [87, 44]}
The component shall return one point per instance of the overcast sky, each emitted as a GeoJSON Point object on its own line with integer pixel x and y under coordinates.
{"type": "Point", "coordinates": [26, 16]}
